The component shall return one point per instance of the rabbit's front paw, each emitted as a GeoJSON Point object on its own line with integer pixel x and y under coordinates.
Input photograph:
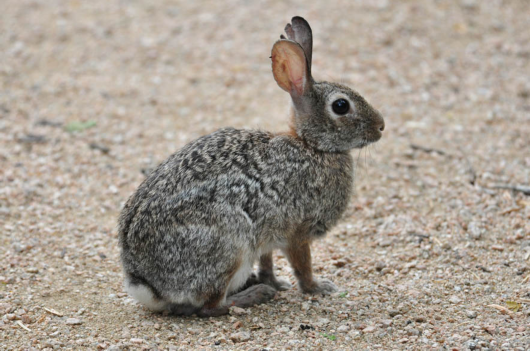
{"type": "Point", "coordinates": [278, 284]}
{"type": "Point", "coordinates": [323, 286]}
{"type": "Point", "coordinates": [282, 284]}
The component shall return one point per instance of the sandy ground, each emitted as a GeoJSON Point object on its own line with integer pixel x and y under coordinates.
{"type": "Point", "coordinates": [430, 255]}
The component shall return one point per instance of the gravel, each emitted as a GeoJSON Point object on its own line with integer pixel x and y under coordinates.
{"type": "Point", "coordinates": [471, 314]}
{"type": "Point", "coordinates": [93, 94]}
{"type": "Point", "coordinates": [74, 321]}
{"type": "Point", "coordinates": [240, 337]}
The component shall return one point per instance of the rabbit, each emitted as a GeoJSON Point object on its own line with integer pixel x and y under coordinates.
{"type": "Point", "coordinates": [193, 230]}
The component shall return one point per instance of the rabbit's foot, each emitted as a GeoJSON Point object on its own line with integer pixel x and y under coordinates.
{"type": "Point", "coordinates": [277, 283]}
{"type": "Point", "coordinates": [282, 284]}
{"type": "Point", "coordinates": [182, 309]}
{"type": "Point", "coordinates": [322, 286]}
{"type": "Point", "coordinates": [267, 279]}
{"type": "Point", "coordinates": [188, 310]}
{"type": "Point", "coordinates": [212, 312]}
{"type": "Point", "coordinates": [255, 295]}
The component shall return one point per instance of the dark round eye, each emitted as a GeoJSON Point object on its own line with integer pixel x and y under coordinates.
{"type": "Point", "coordinates": [340, 106]}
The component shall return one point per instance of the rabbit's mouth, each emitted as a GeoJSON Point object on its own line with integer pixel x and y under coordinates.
{"type": "Point", "coordinates": [362, 143]}
{"type": "Point", "coordinates": [374, 137]}
{"type": "Point", "coordinates": [370, 139]}
{"type": "Point", "coordinates": [366, 139]}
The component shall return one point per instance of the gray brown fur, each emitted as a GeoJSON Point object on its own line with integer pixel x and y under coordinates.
{"type": "Point", "coordinates": [234, 196]}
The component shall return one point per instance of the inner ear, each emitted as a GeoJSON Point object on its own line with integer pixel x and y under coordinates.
{"type": "Point", "coordinates": [290, 68]}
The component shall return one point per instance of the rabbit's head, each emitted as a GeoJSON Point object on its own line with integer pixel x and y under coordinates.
{"type": "Point", "coordinates": [328, 116]}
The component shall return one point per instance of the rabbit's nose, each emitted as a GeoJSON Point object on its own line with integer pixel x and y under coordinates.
{"type": "Point", "coordinates": [379, 122]}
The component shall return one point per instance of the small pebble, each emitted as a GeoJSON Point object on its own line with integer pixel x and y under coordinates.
{"type": "Point", "coordinates": [339, 263]}
{"type": "Point", "coordinates": [379, 265]}
{"type": "Point", "coordinates": [343, 328]}
{"type": "Point", "coordinates": [222, 340]}
{"type": "Point", "coordinates": [369, 329]}
{"type": "Point", "coordinates": [472, 345]}
{"type": "Point", "coordinates": [454, 299]}
{"type": "Point", "coordinates": [490, 329]}
{"type": "Point", "coordinates": [385, 243]}
{"type": "Point", "coordinates": [306, 327]}
{"type": "Point", "coordinates": [237, 311]}
{"type": "Point", "coordinates": [74, 321]}
{"type": "Point", "coordinates": [5, 308]}
{"type": "Point", "coordinates": [386, 322]}
{"type": "Point", "coordinates": [393, 313]}
{"type": "Point", "coordinates": [240, 337]}
{"type": "Point", "coordinates": [413, 332]}
{"type": "Point", "coordinates": [471, 314]}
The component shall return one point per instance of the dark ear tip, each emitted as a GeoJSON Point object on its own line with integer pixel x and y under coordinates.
{"type": "Point", "coordinates": [298, 18]}
{"type": "Point", "coordinates": [282, 36]}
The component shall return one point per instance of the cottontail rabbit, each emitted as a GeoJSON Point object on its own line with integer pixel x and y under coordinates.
{"type": "Point", "coordinates": [193, 230]}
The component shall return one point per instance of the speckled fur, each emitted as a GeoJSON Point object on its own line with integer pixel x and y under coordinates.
{"type": "Point", "coordinates": [232, 196]}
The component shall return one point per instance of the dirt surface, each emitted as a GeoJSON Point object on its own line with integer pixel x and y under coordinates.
{"type": "Point", "coordinates": [430, 255]}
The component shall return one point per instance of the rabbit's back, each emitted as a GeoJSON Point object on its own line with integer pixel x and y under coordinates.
{"type": "Point", "coordinates": [259, 173]}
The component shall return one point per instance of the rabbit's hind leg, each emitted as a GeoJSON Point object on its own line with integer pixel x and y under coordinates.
{"type": "Point", "coordinates": [182, 309]}
{"type": "Point", "coordinates": [208, 310]}
{"type": "Point", "coordinates": [252, 296]}
{"type": "Point", "coordinates": [255, 295]}
{"type": "Point", "coordinates": [212, 308]}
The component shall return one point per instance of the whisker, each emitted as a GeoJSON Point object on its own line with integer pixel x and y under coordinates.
{"type": "Point", "coordinates": [365, 164]}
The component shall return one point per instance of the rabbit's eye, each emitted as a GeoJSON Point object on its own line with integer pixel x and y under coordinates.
{"type": "Point", "coordinates": [340, 106]}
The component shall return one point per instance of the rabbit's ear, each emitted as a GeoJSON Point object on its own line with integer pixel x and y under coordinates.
{"type": "Point", "coordinates": [289, 67]}
{"type": "Point", "coordinates": [300, 31]}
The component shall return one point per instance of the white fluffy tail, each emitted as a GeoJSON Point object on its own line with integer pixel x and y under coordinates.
{"type": "Point", "coordinates": [145, 296]}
